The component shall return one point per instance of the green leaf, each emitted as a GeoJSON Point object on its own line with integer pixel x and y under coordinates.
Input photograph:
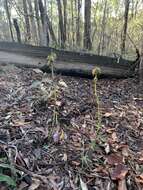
{"type": "Point", "coordinates": [7, 166]}
{"type": "Point", "coordinates": [8, 180]}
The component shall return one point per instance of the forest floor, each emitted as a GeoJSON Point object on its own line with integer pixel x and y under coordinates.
{"type": "Point", "coordinates": [50, 137]}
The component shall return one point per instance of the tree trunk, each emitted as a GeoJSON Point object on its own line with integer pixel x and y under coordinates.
{"type": "Point", "coordinates": [65, 20]}
{"type": "Point", "coordinates": [27, 23]}
{"type": "Point", "coordinates": [51, 30]}
{"type": "Point", "coordinates": [78, 34]}
{"type": "Point", "coordinates": [141, 67]}
{"type": "Point", "coordinates": [87, 25]}
{"type": "Point", "coordinates": [61, 24]}
{"type": "Point", "coordinates": [47, 26]}
{"type": "Point", "coordinates": [123, 44]}
{"type": "Point", "coordinates": [141, 71]}
{"type": "Point", "coordinates": [36, 5]}
{"type": "Point", "coordinates": [45, 39]}
{"type": "Point", "coordinates": [9, 19]}
{"type": "Point", "coordinates": [32, 21]}
{"type": "Point", "coordinates": [17, 29]}
{"type": "Point", "coordinates": [104, 27]}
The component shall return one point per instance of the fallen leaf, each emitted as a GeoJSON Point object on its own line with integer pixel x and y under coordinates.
{"type": "Point", "coordinates": [75, 163]}
{"type": "Point", "coordinates": [35, 184]}
{"type": "Point", "coordinates": [37, 71]}
{"type": "Point", "coordinates": [20, 123]}
{"type": "Point", "coordinates": [125, 151]}
{"type": "Point", "coordinates": [63, 84]}
{"type": "Point", "coordinates": [114, 159]}
{"type": "Point", "coordinates": [65, 157]}
{"type": "Point", "coordinates": [83, 185]}
{"type": "Point", "coordinates": [22, 186]}
{"type": "Point", "coordinates": [108, 114]}
{"type": "Point", "coordinates": [114, 137]}
{"type": "Point", "coordinates": [119, 172]}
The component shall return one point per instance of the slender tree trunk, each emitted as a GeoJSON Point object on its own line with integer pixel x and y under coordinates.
{"type": "Point", "coordinates": [141, 70]}
{"type": "Point", "coordinates": [78, 23]}
{"type": "Point", "coordinates": [123, 44]}
{"type": "Point", "coordinates": [104, 27]}
{"type": "Point", "coordinates": [27, 22]}
{"type": "Point", "coordinates": [87, 25]}
{"type": "Point", "coordinates": [45, 39]}
{"type": "Point", "coordinates": [65, 20]}
{"type": "Point", "coordinates": [72, 22]}
{"type": "Point", "coordinates": [9, 19]}
{"type": "Point", "coordinates": [33, 25]}
{"type": "Point", "coordinates": [36, 5]}
{"type": "Point", "coordinates": [61, 24]}
{"type": "Point", "coordinates": [17, 29]}
{"type": "Point", "coordinates": [52, 34]}
{"type": "Point", "coordinates": [141, 66]}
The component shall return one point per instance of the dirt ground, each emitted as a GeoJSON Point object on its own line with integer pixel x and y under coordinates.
{"type": "Point", "coordinates": [50, 132]}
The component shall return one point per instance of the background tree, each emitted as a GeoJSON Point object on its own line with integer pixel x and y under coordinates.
{"type": "Point", "coordinates": [87, 25]}
{"type": "Point", "coordinates": [8, 18]}
{"type": "Point", "coordinates": [127, 3]}
{"type": "Point", "coordinates": [61, 24]}
{"type": "Point", "coordinates": [18, 34]}
{"type": "Point", "coordinates": [99, 26]}
{"type": "Point", "coordinates": [27, 22]}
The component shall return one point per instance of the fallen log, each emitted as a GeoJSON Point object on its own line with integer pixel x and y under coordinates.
{"type": "Point", "coordinates": [64, 55]}
{"type": "Point", "coordinates": [67, 63]}
{"type": "Point", "coordinates": [64, 68]}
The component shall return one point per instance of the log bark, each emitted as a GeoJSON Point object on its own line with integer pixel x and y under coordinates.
{"type": "Point", "coordinates": [68, 63]}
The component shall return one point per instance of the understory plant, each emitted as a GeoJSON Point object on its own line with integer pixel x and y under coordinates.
{"type": "Point", "coordinates": [8, 174]}
{"type": "Point", "coordinates": [50, 61]}
{"type": "Point", "coordinates": [96, 73]}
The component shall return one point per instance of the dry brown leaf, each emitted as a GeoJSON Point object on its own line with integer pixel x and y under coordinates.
{"type": "Point", "coordinates": [114, 137]}
{"type": "Point", "coordinates": [120, 172]}
{"type": "Point", "coordinates": [20, 123]}
{"type": "Point", "coordinates": [114, 159]}
{"type": "Point", "coordinates": [75, 163]}
{"type": "Point", "coordinates": [125, 151]}
{"type": "Point", "coordinates": [35, 184]}
{"type": "Point", "coordinates": [108, 114]}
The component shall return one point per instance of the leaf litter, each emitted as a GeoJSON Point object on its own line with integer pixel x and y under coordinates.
{"type": "Point", "coordinates": [48, 132]}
